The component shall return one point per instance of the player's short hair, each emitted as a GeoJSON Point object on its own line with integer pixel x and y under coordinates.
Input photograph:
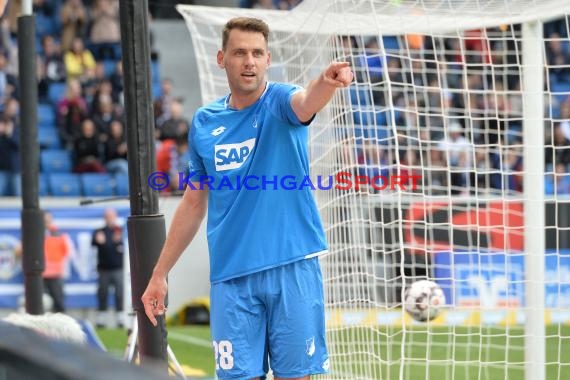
{"type": "Point", "coordinates": [247, 24]}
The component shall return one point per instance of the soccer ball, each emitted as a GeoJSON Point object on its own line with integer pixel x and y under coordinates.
{"type": "Point", "coordinates": [423, 300]}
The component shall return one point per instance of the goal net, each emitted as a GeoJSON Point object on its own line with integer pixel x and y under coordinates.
{"type": "Point", "coordinates": [448, 158]}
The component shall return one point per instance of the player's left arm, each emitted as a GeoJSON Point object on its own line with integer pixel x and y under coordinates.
{"type": "Point", "coordinates": [319, 92]}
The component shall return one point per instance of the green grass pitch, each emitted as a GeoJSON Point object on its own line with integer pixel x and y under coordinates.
{"type": "Point", "coordinates": [426, 353]}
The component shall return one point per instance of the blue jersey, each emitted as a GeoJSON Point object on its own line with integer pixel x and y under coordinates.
{"type": "Point", "coordinates": [256, 220]}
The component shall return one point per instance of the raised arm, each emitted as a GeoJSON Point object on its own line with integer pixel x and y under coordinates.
{"type": "Point", "coordinates": [320, 90]}
{"type": "Point", "coordinates": [183, 228]}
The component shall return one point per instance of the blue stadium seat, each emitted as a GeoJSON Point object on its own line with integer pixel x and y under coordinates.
{"type": "Point", "coordinates": [96, 184]}
{"type": "Point", "coordinates": [391, 43]}
{"type": "Point", "coordinates": [49, 138]}
{"type": "Point", "coordinates": [46, 115]}
{"type": "Point", "coordinates": [55, 161]}
{"type": "Point", "coordinates": [364, 116]}
{"type": "Point", "coordinates": [121, 184]}
{"type": "Point", "coordinates": [64, 184]}
{"type": "Point", "coordinates": [56, 92]}
{"type": "Point", "coordinates": [360, 96]}
{"type": "Point", "coordinates": [43, 185]}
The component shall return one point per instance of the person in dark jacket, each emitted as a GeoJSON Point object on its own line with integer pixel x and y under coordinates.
{"type": "Point", "coordinates": [110, 248]}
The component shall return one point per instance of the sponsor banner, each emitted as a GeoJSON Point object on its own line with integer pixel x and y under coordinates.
{"type": "Point", "coordinates": [81, 273]}
{"type": "Point", "coordinates": [494, 279]}
{"type": "Point", "coordinates": [461, 317]}
{"type": "Point", "coordinates": [434, 226]}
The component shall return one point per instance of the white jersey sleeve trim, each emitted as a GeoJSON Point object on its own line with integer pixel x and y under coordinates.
{"type": "Point", "coordinates": [316, 254]}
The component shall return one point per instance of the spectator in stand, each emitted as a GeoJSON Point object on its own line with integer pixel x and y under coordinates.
{"type": "Point", "coordinates": [435, 174]}
{"type": "Point", "coordinates": [74, 21]}
{"type": "Point", "coordinates": [92, 85]}
{"type": "Point", "coordinates": [269, 4]}
{"type": "Point", "coordinates": [483, 173]}
{"type": "Point", "coordinates": [116, 150]}
{"type": "Point", "coordinates": [458, 153]}
{"type": "Point", "coordinates": [71, 111]}
{"type": "Point", "coordinates": [57, 249]}
{"type": "Point", "coordinates": [79, 62]}
{"type": "Point", "coordinates": [172, 157]}
{"type": "Point", "coordinates": [557, 183]}
{"type": "Point", "coordinates": [558, 25]}
{"type": "Point", "coordinates": [53, 60]}
{"type": "Point", "coordinates": [287, 5]}
{"type": "Point", "coordinates": [50, 65]}
{"type": "Point", "coordinates": [163, 102]}
{"type": "Point", "coordinates": [565, 117]}
{"type": "Point", "coordinates": [558, 58]}
{"type": "Point", "coordinates": [104, 90]}
{"type": "Point", "coordinates": [117, 81]}
{"type": "Point", "coordinates": [558, 150]}
{"type": "Point", "coordinates": [8, 83]}
{"type": "Point", "coordinates": [12, 116]}
{"type": "Point", "coordinates": [4, 87]}
{"type": "Point", "coordinates": [88, 150]}
{"type": "Point", "coordinates": [8, 148]}
{"type": "Point", "coordinates": [511, 169]}
{"type": "Point", "coordinates": [176, 125]}
{"type": "Point", "coordinates": [179, 159]}
{"type": "Point", "coordinates": [45, 7]}
{"type": "Point", "coordinates": [410, 172]}
{"type": "Point", "coordinates": [374, 161]}
{"type": "Point", "coordinates": [264, 4]}
{"type": "Point", "coordinates": [105, 31]}
{"type": "Point", "coordinates": [9, 47]}
{"type": "Point", "coordinates": [246, 3]}
{"type": "Point", "coordinates": [163, 160]}
{"type": "Point", "coordinates": [104, 116]}
{"type": "Point", "coordinates": [476, 46]}
{"type": "Point", "coordinates": [373, 60]}
{"type": "Point", "coordinates": [348, 47]}
{"type": "Point", "coordinates": [12, 112]}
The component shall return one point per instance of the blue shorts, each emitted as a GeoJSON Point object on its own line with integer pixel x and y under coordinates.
{"type": "Point", "coordinates": [271, 317]}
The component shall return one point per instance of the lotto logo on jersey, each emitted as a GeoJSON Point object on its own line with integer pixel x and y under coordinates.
{"type": "Point", "coordinates": [232, 156]}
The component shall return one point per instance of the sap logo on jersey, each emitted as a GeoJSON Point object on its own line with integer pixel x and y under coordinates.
{"type": "Point", "coordinates": [232, 156]}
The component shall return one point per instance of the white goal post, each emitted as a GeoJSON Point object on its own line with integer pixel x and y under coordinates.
{"type": "Point", "coordinates": [454, 130]}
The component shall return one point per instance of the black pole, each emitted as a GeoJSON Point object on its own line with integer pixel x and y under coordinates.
{"type": "Point", "coordinates": [31, 217]}
{"type": "Point", "coordinates": [146, 226]}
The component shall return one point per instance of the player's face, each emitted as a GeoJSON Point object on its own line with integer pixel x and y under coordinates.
{"type": "Point", "coordinates": [245, 60]}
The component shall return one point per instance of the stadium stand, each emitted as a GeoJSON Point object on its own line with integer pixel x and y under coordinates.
{"type": "Point", "coordinates": [53, 21]}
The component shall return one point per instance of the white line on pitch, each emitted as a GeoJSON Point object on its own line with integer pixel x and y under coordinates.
{"type": "Point", "coordinates": [190, 339]}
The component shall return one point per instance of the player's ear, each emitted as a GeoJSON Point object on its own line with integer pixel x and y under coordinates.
{"type": "Point", "coordinates": [220, 59]}
{"type": "Point", "coordinates": [268, 59]}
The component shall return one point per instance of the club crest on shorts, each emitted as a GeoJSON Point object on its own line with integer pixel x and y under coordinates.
{"type": "Point", "coordinates": [310, 346]}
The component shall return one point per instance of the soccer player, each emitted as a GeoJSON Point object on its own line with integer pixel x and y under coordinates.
{"type": "Point", "coordinates": [267, 302]}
